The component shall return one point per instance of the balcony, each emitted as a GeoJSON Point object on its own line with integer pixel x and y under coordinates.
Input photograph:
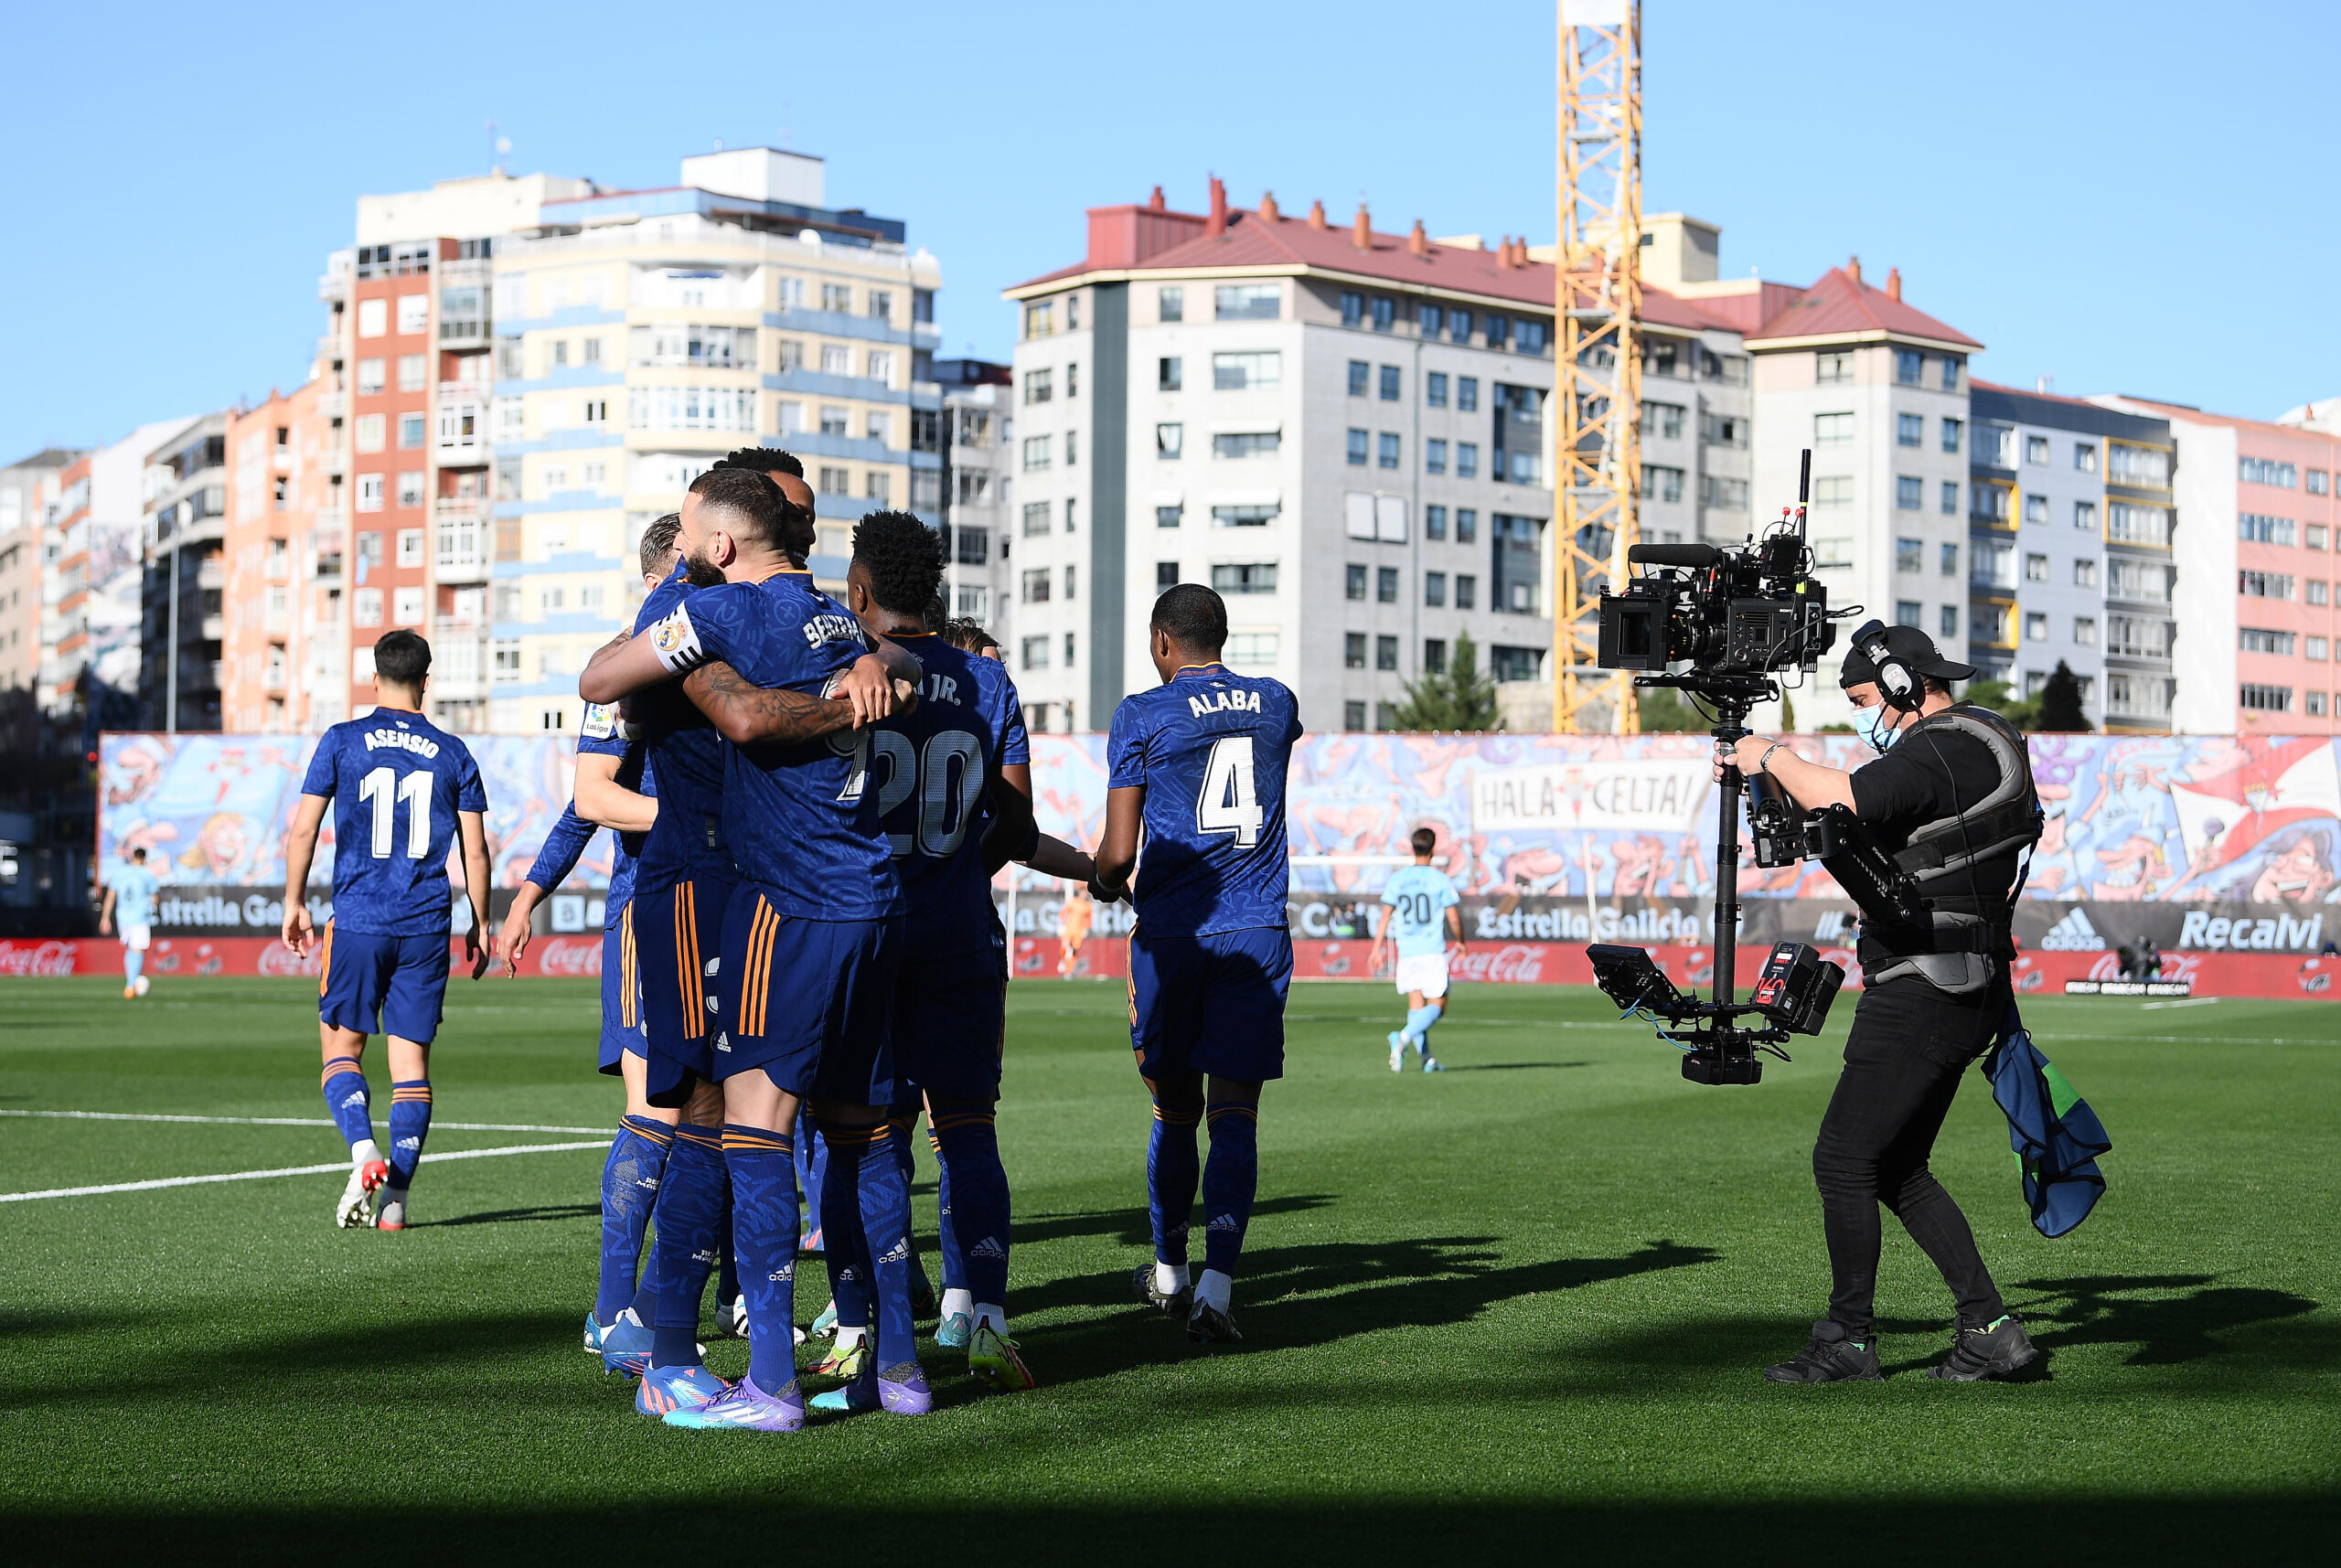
{"type": "Point", "coordinates": [212, 574]}
{"type": "Point", "coordinates": [333, 463]}
{"type": "Point", "coordinates": [332, 405]}
{"type": "Point", "coordinates": [463, 542]}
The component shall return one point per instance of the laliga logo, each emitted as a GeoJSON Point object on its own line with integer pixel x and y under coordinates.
{"type": "Point", "coordinates": [571, 959]}
{"type": "Point", "coordinates": [2315, 977]}
{"type": "Point", "coordinates": [37, 961]}
{"type": "Point", "coordinates": [278, 960]}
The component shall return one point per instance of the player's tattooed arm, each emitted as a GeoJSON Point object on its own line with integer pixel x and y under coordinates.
{"type": "Point", "coordinates": [300, 850]}
{"type": "Point", "coordinates": [1117, 850]}
{"type": "Point", "coordinates": [747, 714]}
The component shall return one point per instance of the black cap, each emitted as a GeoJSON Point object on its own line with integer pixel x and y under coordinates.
{"type": "Point", "coordinates": [1910, 645]}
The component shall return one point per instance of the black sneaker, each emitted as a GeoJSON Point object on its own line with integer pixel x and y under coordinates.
{"type": "Point", "coordinates": [1992, 1351]}
{"type": "Point", "coordinates": [1207, 1323]}
{"type": "Point", "coordinates": [1175, 1302]}
{"type": "Point", "coordinates": [1830, 1358]}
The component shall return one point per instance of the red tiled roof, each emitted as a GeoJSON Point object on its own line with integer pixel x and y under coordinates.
{"type": "Point", "coordinates": [1840, 303]}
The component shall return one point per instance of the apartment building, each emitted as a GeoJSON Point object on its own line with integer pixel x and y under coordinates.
{"type": "Point", "coordinates": [284, 651]}
{"type": "Point", "coordinates": [639, 336]}
{"type": "Point", "coordinates": [979, 448]}
{"type": "Point", "coordinates": [93, 584]}
{"type": "Point", "coordinates": [184, 517]}
{"type": "Point", "coordinates": [2255, 579]}
{"type": "Point", "coordinates": [1697, 430]}
{"type": "Point", "coordinates": [1338, 428]}
{"type": "Point", "coordinates": [28, 491]}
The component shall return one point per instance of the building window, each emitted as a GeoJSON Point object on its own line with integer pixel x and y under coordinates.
{"type": "Point", "coordinates": [1040, 386]}
{"type": "Point", "coordinates": [1389, 383]}
{"type": "Point", "coordinates": [1428, 316]}
{"type": "Point", "coordinates": [1467, 591]}
{"type": "Point", "coordinates": [2265, 470]}
{"type": "Point", "coordinates": [2085, 631]}
{"type": "Point", "coordinates": [1245, 577]}
{"type": "Point", "coordinates": [1072, 448]}
{"type": "Point", "coordinates": [1947, 622]}
{"type": "Point", "coordinates": [1166, 576]}
{"type": "Point", "coordinates": [1358, 373]}
{"type": "Point", "coordinates": [2254, 640]}
{"type": "Point", "coordinates": [1357, 448]}
{"type": "Point", "coordinates": [1035, 653]}
{"type": "Point", "coordinates": [1037, 456]}
{"type": "Point", "coordinates": [2126, 522]}
{"type": "Point", "coordinates": [1829, 428]}
{"type": "Point", "coordinates": [1910, 365]}
{"type": "Point", "coordinates": [1036, 519]}
{"type": "Point", "coordinates": [1950, 436]}
{"type": "Point", "coordinates": [1467, 459]}
{"type": "Point", "coordinates": [1353, 713]}
{"type": "Point", "coordinates": [2316, 592]}
{"type": "Point", "coordinates": [1385, 584]}
{"type": "Point", "coordinates": [369, 492]}
{"type": "Point", "coordinates": [1386, 653]}
{"type": "Point", "coordinates": [1168, 516]}
{"type": "Point", "coordinates": [2035, 626]}
{"type": "Point", "coordinates": [1910, 430]}
{"type": "Point", "coordinates": [1948, 565]}
{"type": "Point", "coordinates": [1467, 527]}
{"type": "Point", "coordinates": [1435, 655]}
{"type": "Point", "coordinates": [1435, 522]}
{"type": "Point", "coordinates": [1909, 555]}
{"type": "Point", "coordinates": [1352, 308]}
{"type": "Point", "coordinates": [1909, 493]}
{"type": "Point", "coordinates": [1515, 664]}
{"type": "Point", "coordinates": [1435, 590]}
{"type": "Point", "coordinates": [2316, 481]}
{"type": "Point", "coordinates": [1245, 370]}
{"type": "Point", "coordinates": [1040, 321]}
{"type": "Point", "coordinates": [2314, 704]}
{"type": "Point", "coordinates": [1171, 302]}
{"type": "Point", "coordinates": [1257, 516]}
{"type": "Point", "coordinates": [1387, 451]}
{"type": "Point", "coordinates": [2265, 698]}
{"type": "Point", "coordinates": [2035, 508]}
{"type": "Point", "coordinates": [1949, 505]}
{"type": "Point", "coordinates": [1247, 301]}
{"type": "Point", "coordinates": [1909, 613]}
{"type": "Point", "coordinates": [366, 607]}
{"type": "Point", "coordinates": [1435, 457]}
{"type": "Point", "coordinates": [1467, 394]}
{"type": "Point", "coordinates": [2315, 540]}
{"type": "Point", "coordinates": [1833, 364]}
{"type": "Point", "coordinates": [2036, 569]}
{"type": "Point", "coordinates": [1434, 385]}
{"type": "Point", "coordinates": [410, 495]}
{"type": "Point", "coordinates": [1385, 313]}
{"type": "Point", "coordinates": [837, 481]}
{"type": "Point", "coordinates": [2255, 528]}
{"type": "Point", "coordinates": [1170, 442]}
{"type": "Point", "coordinates": [1169, 374]}
{"type": "Point", "coordinates": [878, 485]}
{"type": "Point", "coordinates": [369, 377]}
{"type": "Point", "coordinates": [1246, 443]}
{"type": "Point", "coordinates": [1068, 650]}
{"type": "Point", "coordinates": [1354, 650]}
{"type": "Point", "coordinates": [1354, 582]}
{"type": "Point", "coordinates": [2316, 649]}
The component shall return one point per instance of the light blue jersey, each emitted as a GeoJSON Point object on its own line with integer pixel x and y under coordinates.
{"type": "Point", "coordinates": [1419, 898]}
{"type": "Point", "coordinates": [134, 895]}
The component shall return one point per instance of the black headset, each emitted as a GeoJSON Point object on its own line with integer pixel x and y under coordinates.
{"type": "Point", "coordinates": [1897, 684]}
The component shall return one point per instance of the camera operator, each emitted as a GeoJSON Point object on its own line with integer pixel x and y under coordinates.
{"type": "Point", "coordinates": [1950, 799]}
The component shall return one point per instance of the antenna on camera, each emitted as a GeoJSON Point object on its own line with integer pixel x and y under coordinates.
{"type": "Point", "coordinates": [1803, 489]}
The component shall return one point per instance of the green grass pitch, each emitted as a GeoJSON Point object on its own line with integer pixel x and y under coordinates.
{"type": "Point", "coordinates": [1520, 1308]}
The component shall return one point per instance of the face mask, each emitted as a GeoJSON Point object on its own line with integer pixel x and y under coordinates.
{"type": "Point", "coordinates": [1876, 726]}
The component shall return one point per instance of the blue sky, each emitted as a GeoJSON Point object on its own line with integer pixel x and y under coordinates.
{"type": "Point", "coordinates": [2129, 196]}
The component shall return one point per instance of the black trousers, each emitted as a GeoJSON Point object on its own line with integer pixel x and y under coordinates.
{"type": "Point", "coordinates": [1910, 1045]}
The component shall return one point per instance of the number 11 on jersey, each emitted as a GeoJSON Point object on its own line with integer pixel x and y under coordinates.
{"type": "Point", "coordinates": [1229, 803]}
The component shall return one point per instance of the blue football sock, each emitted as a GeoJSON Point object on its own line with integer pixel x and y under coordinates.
{"type": "Point", "coordinates": [682, 1245]}
{"type": "Point", "coordinates": [1171, 1169]}
{"type": "Point", "coordinates": [133, 964]}
{"type": "Point", "coordinates": [410, 1125]}
{"type": "Point", "coordinates": [1231, 1180]}
{"type": "Point", "coordinates": [347, 1101]}
{"type": "Point", "coordinates": [812, 1164]}
{"type": "Point", "coordinates": [946, 1232]}
{"type": "Point", "coordinates": [864, 1192]}
{"type": "Point", "coordinates": [762, 1166]}
{"type": "Point", "coordinates": [901, 1122]}
{"type": "Point", "coordinates": [968, 1146]}
{"type": "Point", "coordinates": [840, 1219]}
{"type": "Point", "coordinates": [1419, 1022]}
{"type": "Point", "coordinates": [630, 1179]}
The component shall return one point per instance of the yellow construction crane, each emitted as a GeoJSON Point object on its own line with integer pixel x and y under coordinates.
{"type": "Point", "coordinates": [1596, 394]}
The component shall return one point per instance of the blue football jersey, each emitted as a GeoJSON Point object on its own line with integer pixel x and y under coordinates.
{"type": "Point", "coordinates": [133, 894]}
{"type": "Point", "coordinates": [1419, 898]}
{"type": "Point", "coordinates": [928, 768]}
{"type": "Point", "coordinates": [1210, 748]}
{"type": "Point", "coordinates": [603, 733]}
{"type": "Point", "coordinates": [686, 755]}
{"type": "Point", "coordinates": [396, 781]}
{"type": "Point", "coordinates": [800, 819]}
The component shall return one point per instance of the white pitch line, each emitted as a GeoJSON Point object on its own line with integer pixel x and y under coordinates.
{"type": "Point", "coordinates": [285, 1121]}
{"type": "Point", "coordinates": [2189, 1002]}
{"type": "Point", "coordinates": [336, 1168]}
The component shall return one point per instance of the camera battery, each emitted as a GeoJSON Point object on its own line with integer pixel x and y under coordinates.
{"type": "Point", "coordinates": [1796, 987]}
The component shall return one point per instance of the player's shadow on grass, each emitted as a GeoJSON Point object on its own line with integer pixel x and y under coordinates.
{"type": "Point", "coordinates": [1515, 1066]}
{"type": "Point", "coordinates": [2171, 1318]}
{"type": "Point", "coordinates": [1131, 1227]}
{"type": "Point", "coordinates": [507, 1216]}
{"type": "Point", "coordinates": [1316, 1294]}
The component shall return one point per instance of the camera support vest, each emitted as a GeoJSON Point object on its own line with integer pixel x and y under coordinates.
{"type": "Point", "coordinates": [1973, 925]}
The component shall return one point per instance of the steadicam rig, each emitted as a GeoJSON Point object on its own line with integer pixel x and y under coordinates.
{"type": "Point", "coordinates": [1720, 625]}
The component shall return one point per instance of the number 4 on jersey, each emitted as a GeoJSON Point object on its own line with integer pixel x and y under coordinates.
{"type": "Point", "coordinates": [1228, 803]}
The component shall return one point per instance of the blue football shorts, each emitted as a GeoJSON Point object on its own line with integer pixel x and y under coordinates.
{"type": "Point", "coordinates": [621, 993]}
{"type": "Point", "coordinates": [950, 1013]}
{"type": "Point", "coordinates": [678, 947]}
{"type": "Point", "coordinates": [809, 1001]}
{"type": "Point", "coordinates": [400, 981]}
{"type": "Point", "coordinates": [1210, 1003]}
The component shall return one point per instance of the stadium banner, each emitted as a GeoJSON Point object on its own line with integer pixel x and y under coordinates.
{"type": "Point", "coordinates": [2214, 848]}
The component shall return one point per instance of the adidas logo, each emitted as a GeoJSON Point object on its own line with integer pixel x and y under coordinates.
{"type": "Point", "coordinates": [898, 1252]}
{"type": "Point", "coordinates": [723, 1043]}
{"type": "Point", "coordinates": [988, 1247]}
{"type": "Point", "coordinates": [706, 1256]}
{"type": "Point", "coordinates": [649, 1184]}
{"type": "Point", "coordinates": [848, 1272]}
{"type": "Point", "coordinates": [783, 1274]}
{"type": "Point", "coordinates": [2073, 933]}
{"type": "Point", "coordinates": [1224, 1222]}
{"type": "Point", "coordinates": [408, 1144]}
{"type": "Point", "coordinates": [1177, 1230]}
{"type": "Point", "coordinates": [357, 1098]}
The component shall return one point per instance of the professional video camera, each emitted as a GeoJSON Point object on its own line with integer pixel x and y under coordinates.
{"type": "Point", "coordinates": [1734, 618]}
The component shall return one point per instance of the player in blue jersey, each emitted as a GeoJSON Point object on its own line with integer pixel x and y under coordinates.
{"type": "Point", "coordinates": [1424, 912]}
{"type": "Point", "coordinates": [401, 791]}
{"type": "Point", "coordinates": [947, 776]}
{"type": "Point", "coordinates": [614, 790]}
{"type": "Point", "coordinates": [812, 934]}
{"type": "Point", "coordinates": [1199, 764]}
{"type": "Point", "coordinates": [130, 909]}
